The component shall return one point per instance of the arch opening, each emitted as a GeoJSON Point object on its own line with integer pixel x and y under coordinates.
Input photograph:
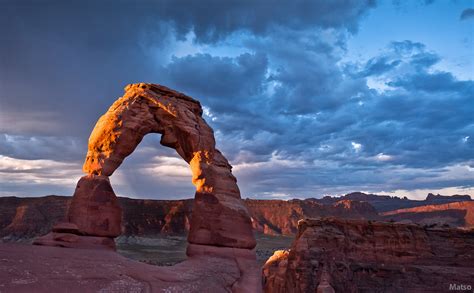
{"type": "Point", "coordinates": [153, 172]}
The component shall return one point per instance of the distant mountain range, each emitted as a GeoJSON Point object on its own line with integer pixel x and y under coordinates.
{"type": "Point", "coordinates": [383, 203]}
{"type": "Point", "coordinates": [22, 218]}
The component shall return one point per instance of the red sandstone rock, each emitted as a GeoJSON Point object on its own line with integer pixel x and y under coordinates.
{"type": "Point", "coordinates": [94, 207]}
{"type": "Point", "coordinates": [357, 255]}
{"type": "Point", "coordinates": [274, 271]}
{"type": "Point", "coordinates": [456, 214]}
{"type": "Point", "coordinates": [219, 216]}
{"type": "Point", "coordinates": [275, 217]}
{"type": "Point", "coordinates": [30, 217]}
{"type": "Point", "coordinates": [28, 268]}
{"type": "Point", "coordinates": [71, 240]}
{"type": "Point", "coordinates": [66, 227]}
{"type": "Point", "coordinates": [220, 239]}
{"type": "Point", "coordinates": [245, 259]}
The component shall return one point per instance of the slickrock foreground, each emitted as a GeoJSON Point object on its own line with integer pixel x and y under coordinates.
{"type": "Point", "coordinates": [43, 269]}
{"type": "Point", "coordinates": [361, 256]}
{"type": "Point", "coordinates": [220, 239]}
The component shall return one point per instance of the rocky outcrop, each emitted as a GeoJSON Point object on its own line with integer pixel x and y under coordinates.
{"type": "Point", "coordinates": [22, 218]}
{"type": "Point", "coordinates": [363, 256]}
{"type": "Point", "coordinates": [220, 227]}
{"type": "Point", "coordinates": [219, 217]}
{"type": "Point", "coordinates": [278, 217]}
{"type": "Point", "coordinates": [95, 214]}
{"type": "Point", "coordinates": [95, 208]}
{"type": "Point", "coordinates": [68, 235]}
{"type": "Point", "coordinates": [456, 214]}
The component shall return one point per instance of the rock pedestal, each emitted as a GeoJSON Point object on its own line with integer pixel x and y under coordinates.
{"type": "Point", "coordinates": [95, 208]}
{"type": "Point", "coordinates": [94, 217]}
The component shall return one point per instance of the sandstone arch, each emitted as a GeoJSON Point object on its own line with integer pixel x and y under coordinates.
{"type": "Point", "coordinates": [219, 217]}
{"type": "Point", "coordinates": [220, 241]}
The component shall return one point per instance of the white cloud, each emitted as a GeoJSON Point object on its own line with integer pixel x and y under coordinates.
{"type": "Point", "coordinates": [207, 113]}
{"type": "Point", "coordinates": [31, 177]}
{"type": "Point", "coordinates": [19, 165]}
{"type": "Point", "coordinates": [383, 157]}
{"type": "Point", "coordinates": [356, 146]}
{"type": "Point", "coordinates": [275, 161]}
{"type": "Point", "coordinates": [168, 167]}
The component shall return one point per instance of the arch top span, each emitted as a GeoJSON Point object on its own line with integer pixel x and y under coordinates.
{"type": "Point", "coordinates": [143, 109]}
{"type": "Point", "coordinates": [219, 217]}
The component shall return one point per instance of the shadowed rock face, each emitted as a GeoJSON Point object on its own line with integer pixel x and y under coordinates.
{"type": "Point", "coordinates": [219, 217]}
{"type": "Point", "coordinates": [364, 256]}
{"type": "Point", "coordinates": [95, 208]}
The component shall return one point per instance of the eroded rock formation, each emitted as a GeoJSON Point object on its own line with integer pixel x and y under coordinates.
{"type": "Point", "coordinates": [95, 208]}
{"type": "Point", "coordinates": [364, 256]}
{"type": "Point", "coordinates": [279, 217]}
{"type": "Point", "coordinates": [219, 217]}
{"type": "Point", "coordinates": [455, 214]}
{"type": "Point", "coordinates": [220, 226]}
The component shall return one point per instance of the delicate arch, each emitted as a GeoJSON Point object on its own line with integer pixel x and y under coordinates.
{"type": "Point", "coordinates": [219, 217]}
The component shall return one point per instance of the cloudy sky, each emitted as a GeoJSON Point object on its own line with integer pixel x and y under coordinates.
{"type": "Point", "coordinates": [307, 98]}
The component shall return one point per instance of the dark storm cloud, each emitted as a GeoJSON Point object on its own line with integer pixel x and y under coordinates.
{"type": "Point", "coordinates": [67, 62]}
{"type": "Point", "coordinates": [292, 117]}
{"type": "Point", "coordinates": [417, 124]}
{"type": "Point", "coordinates": [224, 82]}
{"type": "Point", "coordinates": [61, 148]}
{"type": "Point", "coordinates": [58, 55]}
{"type": "Point", "coordinates": [217, 19]}
{"type": "Point", "coordinates": [467, 14]}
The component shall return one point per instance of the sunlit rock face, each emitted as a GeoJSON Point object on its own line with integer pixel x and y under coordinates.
{"type": "Point", "coordinates": [358, 256]}
{"type": "Point", "coordinates": [219, 217]}
{"type": "Point", "coordinates": [455, 214]}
